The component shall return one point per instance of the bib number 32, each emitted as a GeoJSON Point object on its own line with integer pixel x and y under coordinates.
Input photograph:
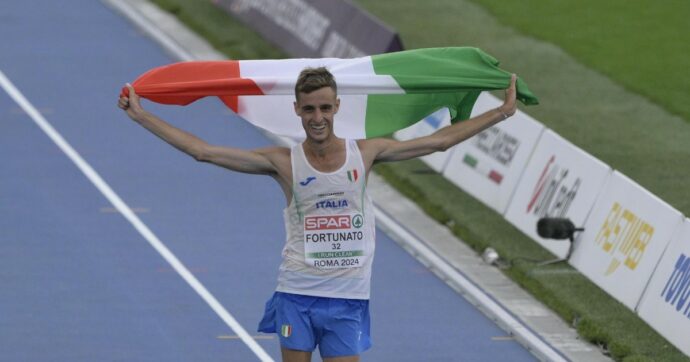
{"type": "Point", "coordinates": [334, 241]}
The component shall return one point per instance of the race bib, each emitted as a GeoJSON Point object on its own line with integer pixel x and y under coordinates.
{"type": "Point", "coordinates": [334, 241]}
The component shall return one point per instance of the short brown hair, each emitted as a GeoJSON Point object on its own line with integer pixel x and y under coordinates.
{"type": "Point", "coordinates": [311, 79]}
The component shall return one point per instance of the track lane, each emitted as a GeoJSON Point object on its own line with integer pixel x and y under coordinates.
{"type": "Point", "coordinates": [228, 237]}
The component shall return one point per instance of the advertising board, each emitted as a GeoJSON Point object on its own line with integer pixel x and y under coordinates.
{"type": "Point", "coordinates": [665, 304]}
{"type": "Point", "coordinates": [489, 165]}
{"type": "Point", "coordinates": [624, 238]}
{"type": "Point", "coordinates": [560, 181]}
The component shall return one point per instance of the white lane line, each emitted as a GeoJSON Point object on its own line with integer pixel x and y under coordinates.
{"type": "Point", "coordinates": [125, 210]}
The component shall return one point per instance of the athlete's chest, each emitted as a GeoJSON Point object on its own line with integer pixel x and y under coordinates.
{"type": "Point", "coordinates": [329, 190]}
{"type": "Point", "coordinates": [327, 163]}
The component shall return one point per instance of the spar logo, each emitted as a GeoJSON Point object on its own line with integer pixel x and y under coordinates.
{"type": "Point", "coordinates": [624, 236]}
{"type": "Point", "coordinates": [677, 289]}
{"type": "Point", "coordinates": [333, 222]}
{"type": "Point", "coordinates": [552, 196]}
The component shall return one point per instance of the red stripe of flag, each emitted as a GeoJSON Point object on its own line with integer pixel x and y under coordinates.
{"type": "Point", "coordinates": [185, 82]}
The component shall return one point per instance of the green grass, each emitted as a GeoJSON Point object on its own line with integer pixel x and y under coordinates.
{"type": "Point", "coordinates": [641, 44]}
{"type": "Point", "coordinates": [622, 128]}
{"type": "Point", "coordinates": [225, 33]}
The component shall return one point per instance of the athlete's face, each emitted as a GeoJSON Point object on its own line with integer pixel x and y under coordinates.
{"type": "Point", "coordinates": [317, 110]}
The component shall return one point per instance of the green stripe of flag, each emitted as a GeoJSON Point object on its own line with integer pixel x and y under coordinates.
{"type": "Point", "coordinates": [471, 68]}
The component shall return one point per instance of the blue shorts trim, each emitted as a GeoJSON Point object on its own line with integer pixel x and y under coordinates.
{"type": "Point", "coordinates": [339, 327]}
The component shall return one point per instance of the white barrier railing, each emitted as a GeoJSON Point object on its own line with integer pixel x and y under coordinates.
{"type": "Point", "coordinates": [525, 171]}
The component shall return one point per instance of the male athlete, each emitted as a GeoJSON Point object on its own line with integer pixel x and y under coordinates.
{"type": "Point", "coordinates": [322, 297]}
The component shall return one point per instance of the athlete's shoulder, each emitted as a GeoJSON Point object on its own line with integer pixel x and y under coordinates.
{"type": "Point", "coordinates": [273, 150]}
{"type": "Point", "coordinates": [373, 145]}
{"type": "Point", "coordinates": [275, 154]}
{"type": "Point", "coordinates": [364, 143]}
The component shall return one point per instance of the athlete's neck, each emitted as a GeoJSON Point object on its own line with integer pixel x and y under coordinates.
{"type": "Point", "coordinates": [325, 156]}
{"type": "Point", "coordinates": [322, 149]}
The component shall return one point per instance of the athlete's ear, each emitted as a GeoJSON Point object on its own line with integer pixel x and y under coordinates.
{"type": "Point", "coordinates": [296, 105]}
{"type": "Point", "coordinates": [337, 105]}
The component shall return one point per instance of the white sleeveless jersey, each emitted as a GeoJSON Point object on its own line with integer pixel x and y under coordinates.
{"type": "Point", "coordinates": [330, 230]}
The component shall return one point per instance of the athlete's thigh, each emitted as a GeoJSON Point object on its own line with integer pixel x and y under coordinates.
{"type": "Point", "coordinates": [291, 355]}
{"type": "Point", "coordinates": [293, 323]}
{"type": "Point", "coordinates": [342, 359]}
{"type": "Point", "coordinates": [346, 330]}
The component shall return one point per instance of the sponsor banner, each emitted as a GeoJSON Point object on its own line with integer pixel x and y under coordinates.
{"type": "Point", "coordinates": [625, 235]}
{"type": "Point", "coordinates": [316, 29]}
{"type": "Point", "coordinates": [427, 126]}
{"type": "Point", "coordinates": [488, 166]}
{"type": "Point", "coordinates": [666, 302]}
{"type": "Point", "coordinates": [560, 180]}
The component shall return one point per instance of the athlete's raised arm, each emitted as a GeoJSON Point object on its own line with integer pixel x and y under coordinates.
{"type": "Point", "coordinates": [260, 161]}
{"type": "Point", "coordinates": [384, 150]}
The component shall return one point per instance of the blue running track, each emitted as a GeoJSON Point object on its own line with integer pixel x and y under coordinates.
{"type": "Point", "coordinates": [80, 283]}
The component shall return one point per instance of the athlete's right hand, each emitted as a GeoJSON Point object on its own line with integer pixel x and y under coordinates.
{"type": "Point", "coordinates": [131, 103]}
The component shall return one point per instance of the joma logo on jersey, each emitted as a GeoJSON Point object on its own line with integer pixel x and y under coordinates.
{"type": "Point", "coordinates": [625, 236]}
{"type": "Point", "coordinates": [307, 181]}
{"type": "Point", "coordinates": [330, 222]}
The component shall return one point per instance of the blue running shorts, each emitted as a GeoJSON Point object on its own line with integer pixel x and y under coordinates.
{"type": "Point", "coordinates": [340, 327]}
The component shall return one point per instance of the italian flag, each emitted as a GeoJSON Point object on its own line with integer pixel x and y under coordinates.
{"type": "Point", "coordinates": [379, 94]}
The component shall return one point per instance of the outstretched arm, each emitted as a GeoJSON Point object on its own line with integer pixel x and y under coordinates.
{"type": "Point", "coordinates": [260, 161]}
{"type": "Point", "coordinates": [383, 150]}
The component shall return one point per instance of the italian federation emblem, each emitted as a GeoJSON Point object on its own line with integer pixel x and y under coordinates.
{"type": "Point", "coordinates": [286, 330]}
{"type": "Point", "coordinates": [352, 175]}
